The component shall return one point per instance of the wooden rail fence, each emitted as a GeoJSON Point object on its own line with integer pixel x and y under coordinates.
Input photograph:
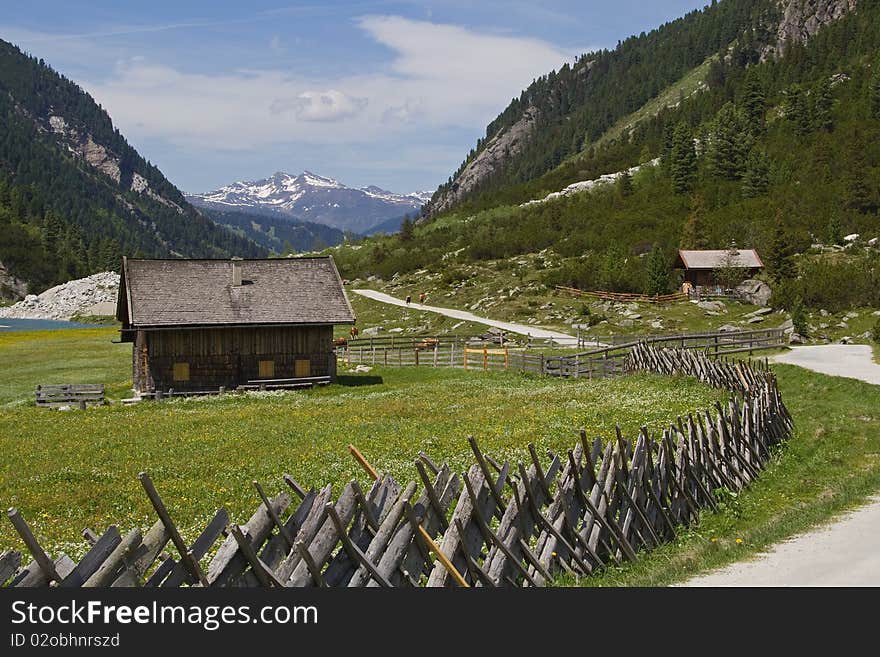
{"type": "Point", "coordinates": [623, 297]}
{"type": "Point", "coordinates": [594, 363]}
{"type": "Point", "coordinates": [498, 524]}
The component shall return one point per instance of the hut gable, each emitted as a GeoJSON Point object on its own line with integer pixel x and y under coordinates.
{"type": "Point", "coordinates": [281, 291]}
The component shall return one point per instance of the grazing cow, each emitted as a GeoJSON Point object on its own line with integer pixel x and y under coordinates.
{"type": "Point", "coordinates": [353, 332]}
{"type": "Point", "coordinates": [339, 342]}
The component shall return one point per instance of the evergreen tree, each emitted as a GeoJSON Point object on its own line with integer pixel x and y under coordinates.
{"type": "Point", "coordinates": [658, 272]}
{"type": "Point", "coordinates": [824, 103]}
{"type": "Point", "coordinates": [857, 195]}
{"type": "Point", "coordinates": [835, 230]}
{"type": "Point", "coordinates": [407, 229]}
{"type": "Point", "coordinates": [874, 91]}
{"type": "Point", "coordinates": [693, 234]}
{"type": "Point", "coordinates": [727, 143]}
{"type": "Point", "coordinates": [756, 180]}
{"type": "Point", "coordinates": [779, 258]}
{"type": "Point", "coordinates": [798, 111]}
{"type": "Point", "coordinates": [755, 104]}
{"type": "Point", "coordinates": [625, 184]}
{"type": "Point", "coordinates": [683, 159]}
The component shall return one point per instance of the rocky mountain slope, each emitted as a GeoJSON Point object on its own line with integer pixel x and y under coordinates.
{"type": "Point", "coordinates": [564, 112]}
{"type": "Point", "coordinates": [74, 195]}
{"type": "Point", "coordinates": [314, 198]}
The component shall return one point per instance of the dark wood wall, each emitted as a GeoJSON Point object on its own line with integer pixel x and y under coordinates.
{"type": "Point", "coordinates": [229, 356]}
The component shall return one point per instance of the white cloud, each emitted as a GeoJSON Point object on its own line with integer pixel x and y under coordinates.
{"type": "Point", "coordinates": [439, 76]}
{"type": "Point", "coordinates": [330, 105]}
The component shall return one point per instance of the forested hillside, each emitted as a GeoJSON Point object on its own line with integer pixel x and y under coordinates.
{"type": "Point", "coordinates": [74, 195]}
{"type": "Point", "coordinates": [772, 154]}
{"type": "Point", "coordinates": [574, 106]}
{"type": "Point", "coordinates": [278, 234]}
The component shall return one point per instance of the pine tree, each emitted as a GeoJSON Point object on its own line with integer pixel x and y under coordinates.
{"type": "Point", "coordinates": [756, 179]}
{"type": "Point", "coordinates": [857, 195]}
{"type": "Point", "coordinates": [693, 234]}
{"type": "Point", "coordinates": [874, 92]}
{"type": "Point", "coordinates": [755, 105]}
{"type": "Point", "coordinates": [835, 230]}
{"type": "Point", "coordinates": [625, 184]}
{"type": "Point", "coordinates": [658, 272]}
{"type": "Point", "coordinates": [798, 111]}
{"type": "Point", "coordinates": [779, 258]}
{"type": "Point", "coordinates": [407, 229]}
{"type": "Point", "coordinates": [728, 143]}
{"type": "Point", "coordinates": [824, 103]}
{"type": "Point", "coordinates": [683, 160]}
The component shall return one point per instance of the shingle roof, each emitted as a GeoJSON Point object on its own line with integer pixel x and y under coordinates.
{"type": "Point", "coordinates": [714, 259]}
{"type": "Point", "coordinates": [201, 292]}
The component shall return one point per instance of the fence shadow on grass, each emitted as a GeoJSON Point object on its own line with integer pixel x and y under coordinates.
{"type": "Point", "coordinates": [357, 380]}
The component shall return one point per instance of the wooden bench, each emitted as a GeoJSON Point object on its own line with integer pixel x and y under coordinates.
{"type": "Point", "coordinates": [64, 394]}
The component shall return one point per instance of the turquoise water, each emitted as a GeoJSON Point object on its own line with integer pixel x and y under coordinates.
{"type": "Point", "coordinates": [8, 324]}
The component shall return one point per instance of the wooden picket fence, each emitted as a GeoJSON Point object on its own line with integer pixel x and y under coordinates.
{"type": "Point", "coordinates": [497, 525]}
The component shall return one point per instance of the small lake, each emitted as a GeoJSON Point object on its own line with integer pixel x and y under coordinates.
{"type": "Point", "coordinates": [9, 324]}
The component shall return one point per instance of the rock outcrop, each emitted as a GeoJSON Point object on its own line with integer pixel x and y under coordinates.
{"type": "Point", "coordinates": [102, 159]}
{"type": "Point", "coordinates": [92, 295]}
{"type": "Point", "coordinates": [10, 286]}
{"type": "Point", "coordinates": [754, 292]}
{"type": "Point", "coordinates": [506, 144]}
{"type": "Point", "coordinates": [801, 19]}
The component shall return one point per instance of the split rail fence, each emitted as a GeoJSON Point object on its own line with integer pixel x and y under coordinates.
{"type": "Point", "coordinates": [497, 525]}
{"type": "Point", "coordinates": [604, 361]}
{"type": "Point", "coordinates": [624, 297]}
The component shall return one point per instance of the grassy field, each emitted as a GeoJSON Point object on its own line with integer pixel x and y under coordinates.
{"type": "Point", "coordinates": [69, 470]}
{"type": "Point", "coordinates": [68, 356]}
{"type": "Point", "coordinates": [831, 464]}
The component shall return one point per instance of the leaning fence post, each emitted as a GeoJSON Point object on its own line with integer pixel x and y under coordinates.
{"type": "Point", "coordinates": [185, 555]}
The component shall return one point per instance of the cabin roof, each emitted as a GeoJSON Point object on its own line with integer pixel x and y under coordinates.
{"type": "Point", "coordinates": [715, 259]}
{"type": "Point", "coordinates": [168, 293]}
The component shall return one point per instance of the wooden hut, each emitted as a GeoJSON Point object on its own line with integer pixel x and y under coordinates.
{"type": "Point", "coordinates": [700, 267]}
{"type": "Point", "coordinates": [197, 325]}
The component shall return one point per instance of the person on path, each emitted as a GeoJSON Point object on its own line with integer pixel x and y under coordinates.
{"type": "Point", "coordinates": [421, 297]}
{"type": "Point", "coordinates": [408, 299]}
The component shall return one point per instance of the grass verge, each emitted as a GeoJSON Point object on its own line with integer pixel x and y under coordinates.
{"type": "Point", "coordinates": [830, 465]}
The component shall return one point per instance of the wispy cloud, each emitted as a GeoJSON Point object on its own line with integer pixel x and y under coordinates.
{"type": "Point", "coordinates": [439, 75]}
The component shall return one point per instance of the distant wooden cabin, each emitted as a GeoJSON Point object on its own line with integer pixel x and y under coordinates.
{"type": "Point", "coordinates": [197, 325]}
{"type": "Point", "coordinates": [700, 266]}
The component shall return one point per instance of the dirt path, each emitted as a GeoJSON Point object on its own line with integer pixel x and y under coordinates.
{"type": "Point", "coordinates": [844, 553]}
{"type": "Point", "coordinates": [521, 329]}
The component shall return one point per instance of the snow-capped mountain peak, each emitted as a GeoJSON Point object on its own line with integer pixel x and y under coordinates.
{"type": "Point", "coordinates": [310, 196]}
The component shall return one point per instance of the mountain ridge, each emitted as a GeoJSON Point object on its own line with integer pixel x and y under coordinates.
{"type": "Point", "coordinates": [315, 198]}
{"type": "Point", "coordinates": [75, 195]}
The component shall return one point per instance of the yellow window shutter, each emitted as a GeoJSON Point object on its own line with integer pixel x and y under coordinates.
{"type": "Point", "coordinates": [181, 371]}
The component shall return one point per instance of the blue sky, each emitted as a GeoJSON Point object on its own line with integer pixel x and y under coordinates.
{"type": "Point", "coordinates": [386, 93]}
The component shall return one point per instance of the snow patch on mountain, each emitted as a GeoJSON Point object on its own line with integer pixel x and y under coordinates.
{"type": "Point", "coordinates": [315, 198]}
